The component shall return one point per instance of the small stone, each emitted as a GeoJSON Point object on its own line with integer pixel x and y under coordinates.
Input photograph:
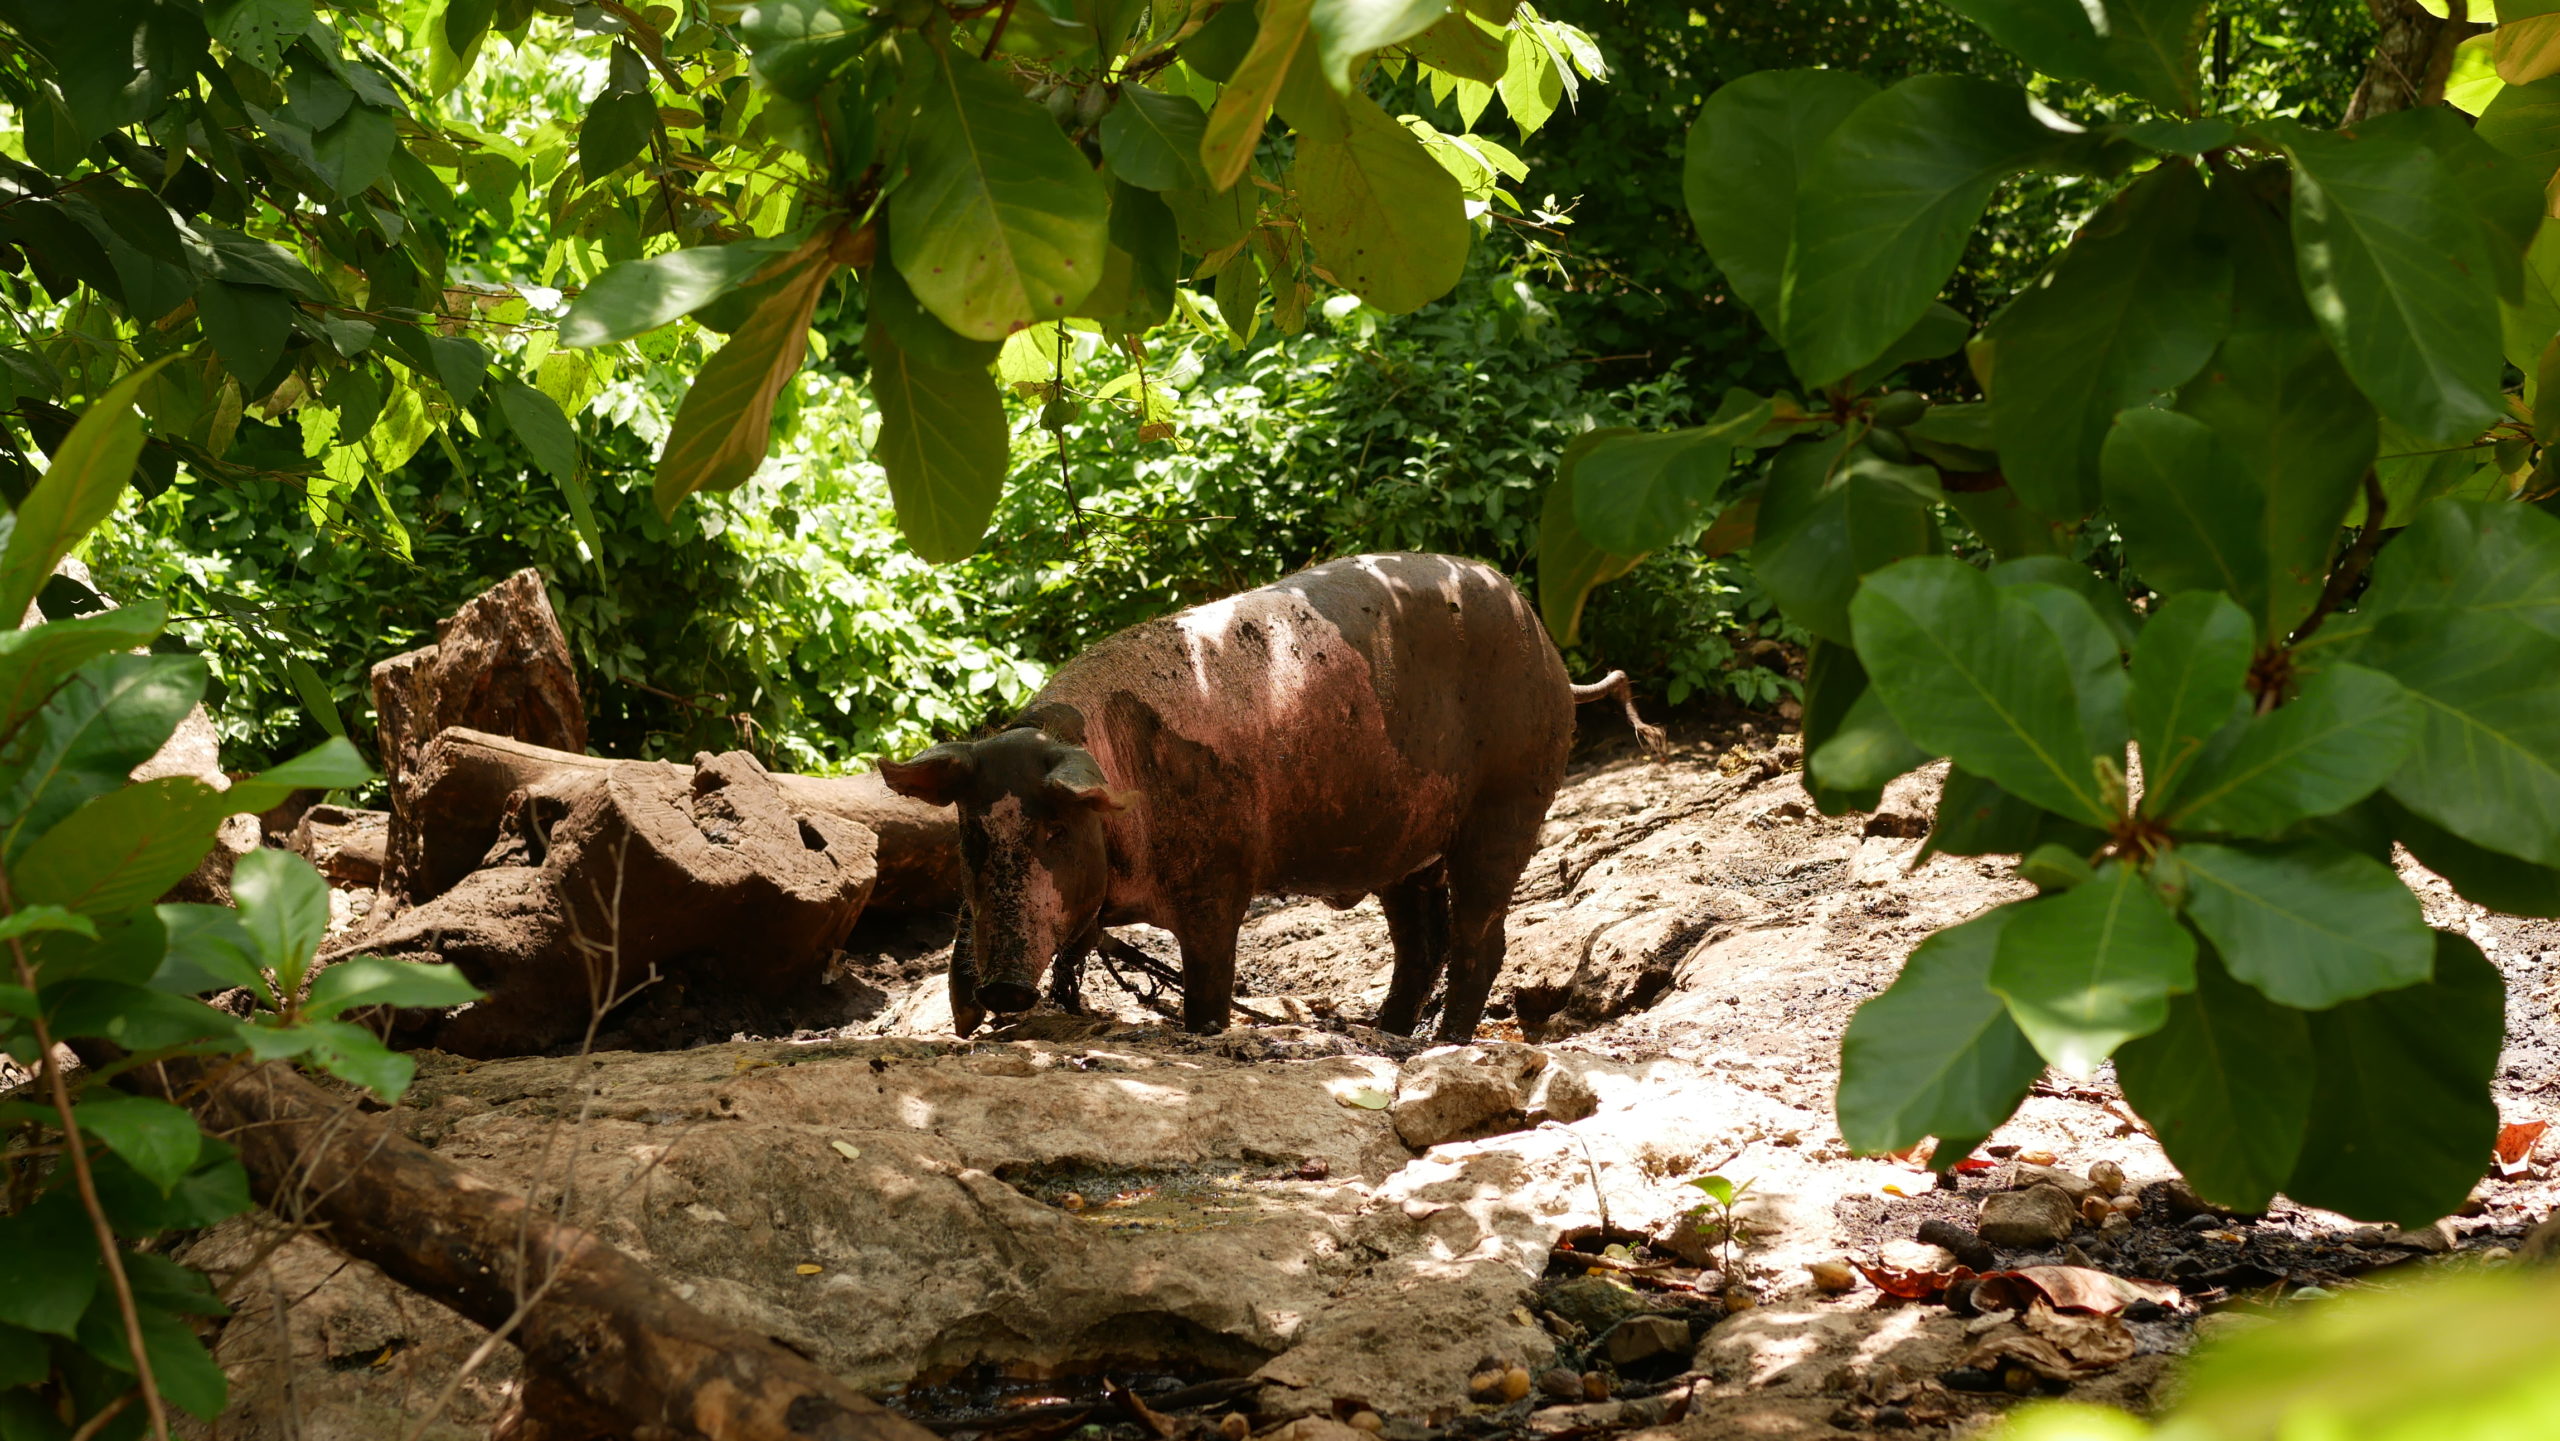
{"type": "Point", "coordinates": [1233, 1427]}
{"type": "Point", "coordinates": [1515, 1384]}
{"type": "Point", "coordinates": [2019, 1381]}
{"type": "Point", "coordinates": [2071, 1183]}
{"type": "Point", "coordinates": [1595, 1386]}
{"type": "Point", "coordinates": [1369, 1421]}
{"type": "Point", "coordinates": [1832, 1277]}
{"type": "Point", "coordinates": [1737, 1299]}
{"type": "Point", "coordinates": [1561, 1383]}
{"type": "Point", "coordinates": [2000, 1150]}
{"type": "Point", "coordinates": [2201, 1223]}
{"type": "Point", "coordinates": [2038, 1158]}
{"type": "Point", "coordinates": [2028, 1220]}
{"type": "Point", "coordinates": [2096, 1209]}
{"type": "Point", "coordinates": [1891, 1418]}
{"type": "Point", "coordinates": [1641, 1338]}
{"type": "Point", "coordinates": [2108, 1177]}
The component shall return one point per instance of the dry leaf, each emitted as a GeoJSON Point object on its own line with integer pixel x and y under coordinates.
{"type": "Point", "coordinates": [2515, 1147]}
{"type": "Point", "coordinates": [1912, 1285]}
{"type": "Point", "coordinates": [751, 1063]}
{"type": "Point", "coordinates": [847, 1149]}
{"type": "Point", "coordinates": [807, 1268]}
{"type": "Point", "coordinates": [1367, 1098]}
{"type": "Point", "coordinates": [2069, 1288]}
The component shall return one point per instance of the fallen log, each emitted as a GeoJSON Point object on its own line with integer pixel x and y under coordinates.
{"type": "Point", "coordinates": [468, 780]}
{"type": "Point", "coordinates": [712, 873]}
{"type": "Point", "coordinates": [598, 1330]}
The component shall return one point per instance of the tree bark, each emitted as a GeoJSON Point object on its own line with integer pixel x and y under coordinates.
{"type": "Point", "coordinates": [598, 1329]}
{"type": "Point", "coordinates": [469, 780]}
{"type": "Point", "coordinates": [499, 664]}
{"type": "Point", "coordinates": [2411, 59]}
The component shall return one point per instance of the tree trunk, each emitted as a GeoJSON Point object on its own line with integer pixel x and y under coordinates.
{"type": "Point", "coordinates": [599, 1332]}
{"type": "Point", "coordinates": [469, 781]}
{"type": "Point", "coordinates": [500, 664]}
{"type": "Point", "coordinates": [2411, 59]}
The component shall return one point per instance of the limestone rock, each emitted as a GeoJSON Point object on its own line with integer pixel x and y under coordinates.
{"type": "Point", "coordinates": [1456, 1093]}
{"type": "Point", "coordinates": [1594, 1303]}
{"type": "Point", "coordinates": [2038, 1217]}
{"type": "Point", "coordinates": [1642, 1338]}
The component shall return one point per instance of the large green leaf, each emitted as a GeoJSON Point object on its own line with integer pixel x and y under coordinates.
{"type": "Point", "coordinates": [1818, 531]}
{"type": "Point", "coordinates": [1936, 1054]}
{"type": "Point", "coordinates": [638, 296]}
{"type": "Point", "coordinates": [2485, 877]}
{"type": "Point", "coordinates": [1750, 141]}
{"type": "Point", "coordinates": [1001, 223]}
{"type": "Point", "coordinates": [1144, 266]}
{"type": "Point", "coordinates": [2475, 555]}
{"type": "Point", "coordinates": [375, 981]}
{"type": "Point", "coordinates": [110, 716]}
{"type": "Point", "coordinates": [2089, 969]}
{"type": "Point", "coordinates": [284, 910]}
{"type": "Point", "coordinates": [1382, 216]}
{"type": "Point", "coordinates": [1152, 139]}
{"type": "Point", "coordinates": [157, 1139]}
{"type": "Point", "coordinates": [2399, 275]}
{"type": "Point", "coordinates": [1346, 30]}
{"type": "Point", "coordinates": [2153, 49]}
{"type": "Point", "coordinates": [923, 339]}
{"type": "Point", "coordinates": [248, 326]}
{"type": "Point", "coordinates": [2226, 1086]}
{"type": "Point", "coordinates": [2089, 645]}
{"type": "Point", "coordinates": [90, 469]}
{"type": "Point", "coordinates": [725, 424]}
{"type": "Point", "coordinates": [1867, 750]}
{"type": "Point", "coordinates": [2190, 670]}
{"type": "Point", "coordinates": [2309, 923]}
{"type": "Point", "coordinates": [2058, 37]}
{"type": "Point", "coordinates": [186, 1375]}
{"type": "Point", "coordinates": [1885, 208]}
{"type": "Point", "coordinates": [1235, 124]}
{"type": "Point", "coordinates": [1977, 675]}
{"type": "Point", "coordinates": [1569, 565]}
{"type": "Point", "coordinates": [49, 1266]}
{"type": "Point", "coordinates": [616, 129]}
{"type": "Point", "coordinates": [2132, 311]}
{"type": "Point", "coordinates": [35, 661]}
{"type": "Point", "coordinates": [943, 442]}
{"type": "Point", "coordinates": [2487, 763]}
{"type": "Point", "coordinates": [800, 44]}
{"type": "Point", "coordinates": [2401, 1116]}
{"type": "Point", "coordinates": [1975, 817]}
{"type": "Point", "coordinates": [2329, 747]}
{"type": "Point", "coordinates": [539, 422]}
{"type": "Point", "coordinates": [1642, 492]}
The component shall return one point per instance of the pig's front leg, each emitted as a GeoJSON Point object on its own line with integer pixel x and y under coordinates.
{"type": "Point", "coordinates": [966, 1014]}
{"type": "Point", "coordinates": [1208, 939]}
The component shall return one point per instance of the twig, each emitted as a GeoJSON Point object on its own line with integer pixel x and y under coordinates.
{"type": "Point", "coordinates": [108, 1251]}
{"type": "Point", "coordinates": [2351, 566]}
{"type": "Point", "coordinates": [1003, 17]}
{"type": "Point", "coordinates": [111, 1411]}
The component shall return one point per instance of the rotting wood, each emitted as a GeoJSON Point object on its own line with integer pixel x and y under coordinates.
{"type": "Point", "coordinates": [596, 1327]}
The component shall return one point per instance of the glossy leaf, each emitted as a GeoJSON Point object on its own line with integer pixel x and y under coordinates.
{"type": "Point", "coordinates": [2487, 763]}
{"type": "Point", "coordinates": [49, 1265]}
{"type": "Point", "coordinates": [1885, 207]}
{"type": "Point", "coordinates": [2226, 1086]}
{"type": "Point", "coordinates": [375, 981]}
{"type": "Point", "coordinates": [284, 910]}
{"type": "Point", "coordinates": [2190, 669]}
{"type": "Point", "coordinates": [537, 421]}
{"type": "Point", "coordinates": [1152, 139]}
{"type": "Point", "coordinates": [2332, 745]}
{"type": "Point", "coordinates": [944, 445]}
{"type": "Point", "coordinates": [1818, 531]}
{"type": "Point", "coordinates": [2473, 555]}
{"type": "Point", "coordinates": [725, 425]}
{"type": "Point", "coordinates": [91, 467]}
{"type": "Point", "coordinates": [2309, 923]}
{"type": "Point", "coordinates": [110, 716]}
{"type": "Point", "coordinates": [1936, 1054]}
{"type": "Point", "coordinates": [2482, 876]}
{"type": "Point", "coordinates": [616, 129]}
{"type": "Point", "coordinates": [1001, 223]}
{"type": "Point", "coordinates": [1380, 214]}
{"type": "Point", "coordinates": [1235, 125]}
{"type": "Point", "coordinates": [1749, 143]}
{"type": "Point", "coordinates": [1866, 752]}
{"type": "Point", "coordinates": [33, 661]}
{"type": "Point", "coordinates": [2131, 312]}
{"type": "Point", "coordinates": [2089, 969]}
{"type": "Point", "coordinates": [1637, 493]}
{"type": "Point", "coordinates": [157, 1139]}
{"type": "Point", "coordinates": [1977, 675]}
{"type": "Point", "coordinates": [1346, 30]}
{"type": "Point", "coordinates": [1569, 565]}
{"type": "Point", "coordinates": [2401, 1116]}
{"type": "Point", "coordinates": [638, 296]}
{"type": "Point", "coordinates": [1975, 817]}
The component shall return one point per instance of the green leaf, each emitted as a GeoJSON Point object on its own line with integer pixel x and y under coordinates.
{"type": "Point", "coordinates": [1144, 266]}
{"type": "Point", "coordinates": [1977, 675]}
{"type": "Point", "coordinates": [331, 765]}
{"type": "Point", "coordinates": [358, 1057]}
{"type": "Point", "coordinates": [1000, 223]}
{"type": "Point", "coordinates": [1717, 1189]}
{"type": "Point", "coordinates": [2089, 644]}
{"type": "Point", "coordinates": [1817, 533]}
{"type": "Point", "coordinates": [186, 1376]}
{"type": "Point", "coordinates": [374, 981]}
{"type": "Point", "coordinates": [2401, 1116]}
{"type": "Point", "coordinates": [2329, 747]}
{"type": "Point", "coordinates": [49, 1265]}
{"type": "Point", "coordinates": [2487, 763]}
{"type": "Point", "coordinates": [157, 1139]}
{"type": "Point", "coordinates": [2132, 311]}
{"type": "Point", "coordinates": [314, 694]}
{"type": "Point", "coordinates": [2226, 1086]}
{"type": "Point", "coordinates": [725, 425]}
{"type": "Point", "coordinates": [1152, 139]}
{"type": "Point", "coordinates": [638, 296]}
{"type": "Point", "coordinates": [2399, 275]}
{"type": "Point", "coordinates": [1868, 750]}
{"type": "Point", "coordinates": [284, 909]}
{"type": "Point", "coordinates": [1885, 208]}
{"type": "Point", "coordinates": [1636, 493]}
{"type": "Point", "coordinates": [2188, 512]}
{"type": "Point", "coordinates": [453, 43]}
{"type": "Point", "coordinates": [1750, 141]}
{"type": "Point", "coordinates": [1569, 565]}
{"type": "Point", "coordinates": [123, 848]}
{"type": "Point", "coordinates": [33, 919]}
{"type": "Point", "coordinates": [355, 153]}
{"type": "Point", "coordinates": [33, 662]}
{"type": "Point", "coordinates": [616, 129]}
{"type": "Point", "coordinates": [2309, 923]}
{"type": "Point", "coordinates": [1532, 83]}
{"type": "Point", "coordinates": [258, 31]}
{"type": "Point", "coordinates": [538, 421]}
{"type": "Point", "coordinates": [2474, 555]}
{"type": "Point", "coordinates": [207, 950]}
{"type": "Point", "coordinates": [1346, 30]}
{"type": "Point", "coordinates": [801, 44]}
{"type": "Point", "coordinates": [1977, 818]}
{"type": "Point", "coordinates": [2483, 876]}
{"type": "Point", "coordinates": [1936, 1054]}
{"type": "Point", "coordinates": [943, 443]}
{"type": "Point", "coordinates": [2089, 969]}
{"type": "Point", "coordinates": [2190, 675]}
{"type": "Point", "coordinates": [1379, 212]}
{"type": "Point", "coordinates": [2058, 37]}
{"type": "Point", "coordinates": [1941, 330]}
{"type": "Point", "coordinates": [248, 326]}
{"type": "Point", "coordinates": [90, 469]}
{"type": "Point", "coordinates": [1235, 123]}
{"type": "Point", "coordinates": [25, 1360]}
{"type": "Point", "coordinates": [110, 716]}
{"type": "Point", "coordinates": [1459, 46]}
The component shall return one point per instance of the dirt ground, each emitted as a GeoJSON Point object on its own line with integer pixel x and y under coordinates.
{"type": "Point", "coordinates": [1303, 1218]}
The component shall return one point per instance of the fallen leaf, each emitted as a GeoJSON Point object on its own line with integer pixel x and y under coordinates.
{"type": "Point", "coordinates": [1367, 1098]}
{"type": "Point", "coordinates": [1974, 1165]}
{"type": "Point", "coordinates": [1891, 1189]}
{"type": "Point", "coordinates": [2055, 1346]}
{"type": "Point", "coordinates": [807, 1268]}
{"type": "Point", "coordinates": [1165, 1427]}
{"type": "Point", "coordinates": [847, 1149]}
{"type": "Point", "coordinates": [1912, 1285]}
{"type": "Point", "coordinates": [2069, 1288]}
{"type": "Point", "coordinates": [1916, 1155]}
{"type": "Point", "coordinates": [752, 1063]}
{"type": "Point", "coordinates": [2515, 1147]}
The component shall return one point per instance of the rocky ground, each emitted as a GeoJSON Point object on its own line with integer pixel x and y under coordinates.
{"type": "Point", "coordinates": [1086, 1222]}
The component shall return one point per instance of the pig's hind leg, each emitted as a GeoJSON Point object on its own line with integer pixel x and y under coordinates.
{"type": "Point", "coordinates": [1417, 910]}
{"type": "Point", "coordinates": [1493, 846]}
{"type": "Point", "coordinates": [1208, 937]}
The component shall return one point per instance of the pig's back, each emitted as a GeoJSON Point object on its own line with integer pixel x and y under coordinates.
{"type": "Point", "coordinates": [1339, 722]}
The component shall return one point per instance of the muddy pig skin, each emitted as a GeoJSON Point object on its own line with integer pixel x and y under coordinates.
{"type": "Point", "coordinates": [1387, 724]}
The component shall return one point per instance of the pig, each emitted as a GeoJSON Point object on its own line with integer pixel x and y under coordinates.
{"type": "Point", "coordinates": [1389, 724]}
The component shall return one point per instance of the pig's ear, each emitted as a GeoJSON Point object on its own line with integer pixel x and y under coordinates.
{"type": "Point", "coordinates": [1077, 780]}
{"type": "Point", "coordinates": [937, 777]}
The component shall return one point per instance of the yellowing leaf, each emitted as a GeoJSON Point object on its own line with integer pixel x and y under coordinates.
{"type": "Point", "coordinates": [1367, 1098]}
{"type": "Point", "coordinates": [726, 422]}
{"type": "Point", "coordinates": [2527, 49]}
{"type": "Point", "coordinates": [1226, 147]}
{"type": "Point", "coordinates": [847, 1149]}
{"type": "Point", "coordinates": [807, 1268]}
{"type": "Point", "coordinates": [1381, 215]}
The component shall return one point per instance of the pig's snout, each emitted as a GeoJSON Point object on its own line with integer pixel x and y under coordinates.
{"type": "Point", "coordinates": [1010, 987]}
